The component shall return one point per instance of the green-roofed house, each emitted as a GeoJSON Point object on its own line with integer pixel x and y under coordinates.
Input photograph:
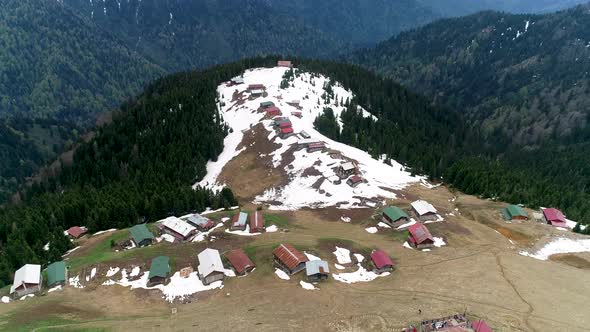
{"type": "Point", "coordinates": [141, 235]}
{"type": "Point", "coordinates": [394, 216]}
{"type": "Point", "coordinates": [266, 104]}
{"type": "Point", "coordinates": [56, 274]}
{"type": "Point", "coordinates": [514, 212]}
{"type": "Point", "coordinates": [159, 271]}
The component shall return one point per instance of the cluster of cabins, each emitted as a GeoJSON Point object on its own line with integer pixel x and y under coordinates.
{"type": "Point", "coordinates": [29, 279]}
{"type": "Point", "coordinates": [419, 236]}
{"type": "Point", "coordinates": [240, 222]}
{"type": "Point", "coordinates": [292, 261]}
{"type": "Point", "coordinates": [454, 323]}
{"type": "Point", "coordinates": [551, 216]}
{"type": "Point", "coordinates": [210, 267]}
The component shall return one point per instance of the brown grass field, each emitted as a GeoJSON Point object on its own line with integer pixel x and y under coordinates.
{"type": "Point", "coordinates": [479, 271]}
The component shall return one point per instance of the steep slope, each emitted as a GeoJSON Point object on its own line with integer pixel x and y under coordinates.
{"type": "Point", "coordinates": [466, 7]}
{"type": "Point", "coordinates": [56, 64]}
{"type": "Point", "coordinates": [182, 35]}
{"type": "Point", "coordinates": [521, 76]}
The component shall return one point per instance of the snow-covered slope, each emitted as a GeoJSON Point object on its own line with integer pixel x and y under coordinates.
{"type": "Point", "coordinates": [315, 188]}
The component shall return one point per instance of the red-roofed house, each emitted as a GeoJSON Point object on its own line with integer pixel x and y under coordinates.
{"type": "Point", "coordinates": [286, 132]}
{"type": "Point", "coordinates": [240, 261]}
{"type": "Point", "coordinates": [480, 326]}
{"type": "Point", "coordinates": [289, 259]}
{"type": "Point", "coordinates": [420, 237]}
{"type": "Point", "coordinates": [381, 261]}
{"type": "Point", "coordinates": [354, 181]}
{"type": "Point", "coordinates": [273, 111]}
{"type": "Point", "coordinates": [554, 217]}
{"type": "Point", "coordinates": [76, 231]}
{"type": "Point", "coordinates": [285, 63]}
{"type": "Point", "coordinates": [256, 222]}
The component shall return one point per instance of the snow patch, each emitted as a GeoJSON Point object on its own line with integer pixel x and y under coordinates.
{"type": "Point", "coordinates": [281, 274]}
{"type": "Point", "coordinates": [383, 225]}
{"type": "Point", "coordinates": [312, 257]}
{"type": "Point", "coordinates": [371, 230]}
{"type": "Point", "coordinates": [112, 271]}
{"type": "Point", "coordinates": [51, 290]}
{"type": "Point", "coordinates": [272, 229]}
{"type": "Point", "coordinates": [342, 255]}
{"type": "Point", "coordinates": [438, 242]}
{"type": "Point", "coordinates": [102, 232]}
{"type": "Point", "coordinates": [245, 232]}
{"type": "Point", "coordinates": [307, 285]}
{"type": "Point", "coordinates": [5, 299]}
{"type": "Point", "coordinates": [75, 282]}
{"type": "Point", "coordinates": [360, 275]}
{"type": "Point", "coordinates": [560, 246]}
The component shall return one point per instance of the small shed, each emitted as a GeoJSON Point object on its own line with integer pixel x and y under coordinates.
{"type": "Point", "coordinates": [514, 212]}
{"type": "Point", "coordinates": [420, 237]}
{"type": "Point", "coordinates": [304, 134]}
{"type": "Point", "coordinates": [176, 227]}
{"type": "Point", "coordinates": [159, 271]}
{"type": "Point", "coordinates": [280, 120]}
{"type": "Point", "coordinates": [394, 216]}
{"type": "Point", "coordinates": [141, 235]}
{"type": "Point", "coordinates": [256, 222]}
{"type": "Point", "coordinates": [56, 274]}
{"type": "Point", "coordinates": [76, 232]}
{"type": "Point", "coordinates": [289, 259]}
{"type": "Point", "coordinates": [424, 210]}
{"type": "Point", "coordinates": [202, 223]}
{"type": "Point", "coordinates": [354, 181]}
{"type": "Point", "coordinates": [240, 261]}
{"type": "Point", "coordinates": [239, 221]}
{"type": "Point", "coordinates": [237, 80]}
{"type": "Point", "coordinates": [554, 217]}
{"type": "Point", "coordinates": [382, 261]}
{"type": "Point", "coordinates": [27, 280]}
{"type": "Point", "coordinates": [285, 63]}
{"type": "Point", "coordinates": [293, 102]}
{"type": "Point", "coordinates": [297, 114]}
{"type": "Point", "coordinates": [317, 270]}
{"type": "Point", "coordinates": [266, 104]}
{"type": "Point", "coordinates": [273, 111]}
{"type": "Point", "coordinates": [210, 266]}
{"type": "Point", "coordinates": [256, 87]}
{"type": "Point", "coordinates": [316, 146]}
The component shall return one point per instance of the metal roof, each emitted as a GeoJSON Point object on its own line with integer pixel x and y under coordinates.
{"type": "Point", "coordinates": [140, 232]}
{"type": "Point", "coordinates": [289, 256]}
{"type": "Point", "coordinates": [209, 262]}
{"type": "Point", "coordinates": [178, 226]}
{"type": "Point", "coordinates": [480, 326]}
{"type": "Point", "coordinates": [423, 207]}
{"type": "Point", "coordinates": [316, 266]}
{"type": "Point", "coordinates": [77, 231]}
{"type": "Point", "coordinates": [199, 220]}
{"type": "Point", "coordinates": [28, 274]}
{"type": "Point", "coordinates": [239, 260]}
{"type": "Point", "coordinates": [256, 220]}
{"type": "Point", "coordinates": [349, 166]}
{"type": "Point", "coordinates": [516, 211]}
{"type": "Point", "coordinates": [420, 233]}
{"type": "Point", "coordinates": [287, 130]}
{"type": "Point", "coordinates": [394, 213]}
{"type": "Point", "coordinates": [554, 215]}
{"type": "Point", "coordinates": [56, 272]}
{"type": "Point", "coordinates": [381, 259]}
{"type": "Point", "coordinates": [266, 104]}
{"type": "Point", "coordinates": [240, 219]}
{"type": "Point", "coordinates": [160, 267]}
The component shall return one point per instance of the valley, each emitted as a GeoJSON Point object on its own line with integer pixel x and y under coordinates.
{"type": "Point", "coordinates": [482, 268]}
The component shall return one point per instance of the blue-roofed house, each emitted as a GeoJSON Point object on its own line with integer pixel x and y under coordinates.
{"type": "Point", "coordinates": [239, 222]}
{"type": "Point", "coordinates": [317, 270]}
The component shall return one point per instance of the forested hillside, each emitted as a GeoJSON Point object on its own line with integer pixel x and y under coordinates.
{"type": "Point", "coordinates": [524, 77]}
{"type": "Point", "coordinates": [55, 64]}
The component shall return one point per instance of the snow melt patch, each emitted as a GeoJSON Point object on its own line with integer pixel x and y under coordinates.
{"type": "Point", "coordinates": [135, 271]}
{"type": "Point", "coordinates": [339, 267]}
{"type": "Point", "coordinates": [27, 296]}
{"type": "Point", "coordinates": [107, 231]}
{"type": "Point", "coordinates": [360, 275]}
{"type": "Point", "coordinates": [245, 232]}
{"type": "Point", "coordinates": [202, 235]}
{"type": "Point", "coordinates": [312, 257]}
{"type": "Point", "coordinates": [406, 225]}
{"type": "Point", "coordinates": [342, 255]}
{"type": "Point", "coordinates": [281, 274]}
{"type": "Point", "coordinates": [75, 282]}
{"type": "Point", "coordinates": [51, 290]}
{"type": "Point", "coordinates": [380, 179]}
{"type": "Point", "coordinates": [112, 271]}
{"type": "Point", "coordinates": [345, 219]}
{"type": "Point", "coordinates": [70, 251]}
{"type": "Point", "coordinates": [438, 242]}
{"type": "Point", "coordinates": [307, 285]}
{"type": "Point", "coordinates": [46, 246]}
{"type": "Point", "coordinates": [560, 246]}
{"type": "Point", "coordinates": [5, 299]}
{"type": "Point", "coordinates": [371, 230]}
{"type": "Point", "coordinates": [407, 245]}
{"type": "Point", "coordinates": [272, 229]}
{"type": "Point", "coordinates": [383, 225]}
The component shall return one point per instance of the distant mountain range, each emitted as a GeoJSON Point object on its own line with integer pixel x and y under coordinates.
{"type": "Point", "coordinates": [520, 77]}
